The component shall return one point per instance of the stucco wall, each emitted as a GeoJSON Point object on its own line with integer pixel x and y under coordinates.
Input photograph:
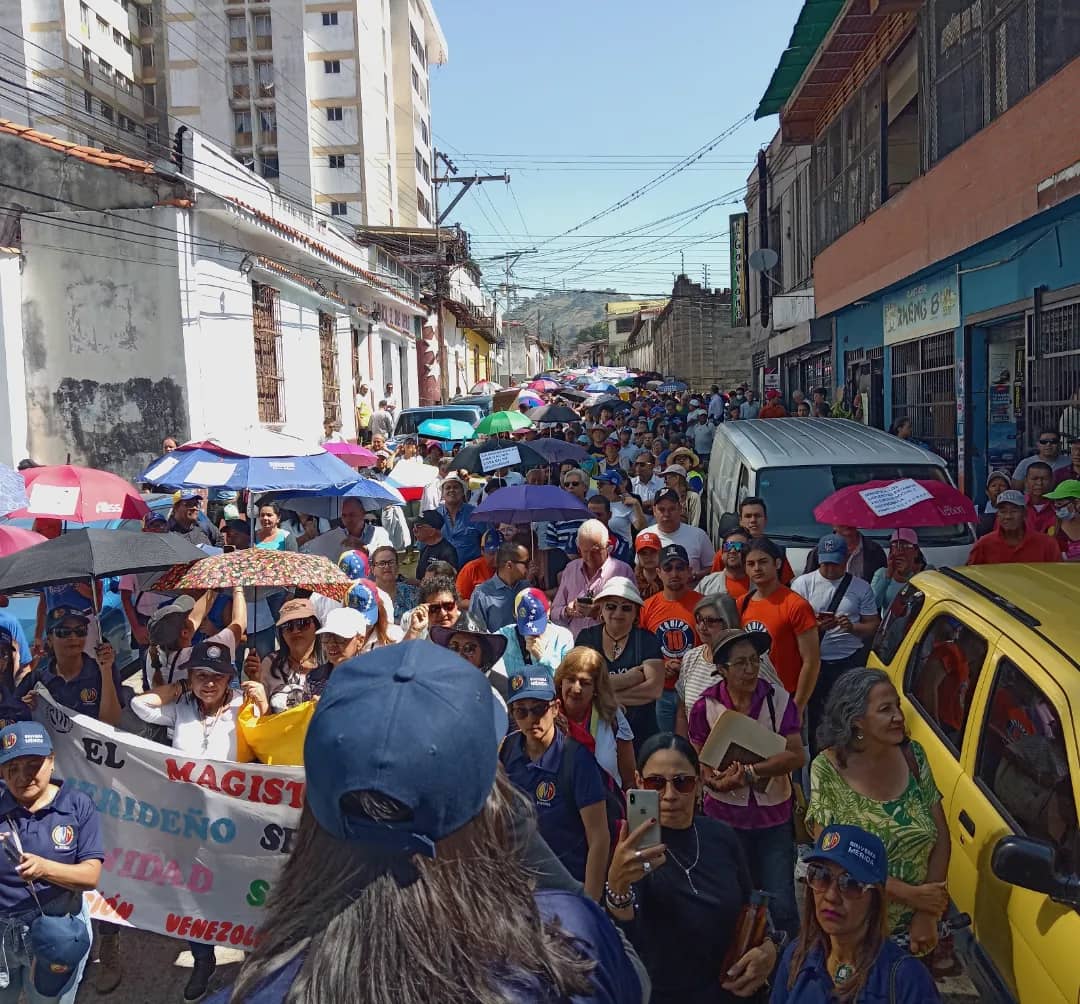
{"type": "Point", "coordinates": [12, 375]}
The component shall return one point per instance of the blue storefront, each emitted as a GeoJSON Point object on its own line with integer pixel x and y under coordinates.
{"type": "Point", "coordinates": [980, 351]}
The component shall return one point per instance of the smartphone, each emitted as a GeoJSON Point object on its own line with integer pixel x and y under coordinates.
{"type": "Point", "coordinates": [641, 806]}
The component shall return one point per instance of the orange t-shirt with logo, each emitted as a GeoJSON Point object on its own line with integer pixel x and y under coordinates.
{"type": "Point", "coordinates": [787, 574]}
{"type": "Point", "coordinates": [471, 575]}
{"type": "Point", "coordinates": [672, 624]}
{"type": "Point", "coordinates": [785, 615]}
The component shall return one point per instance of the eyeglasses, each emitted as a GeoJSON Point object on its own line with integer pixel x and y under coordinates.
{"type": "Point", "coordinates": [299, 624]}
{"type": "Point", "coordinates": [820, 879]}
{"type": "Point", "coordinates": [465, 648]}
{"type": "Point", "coordinates": [571, 484]}
{"type": "Point", "coordinates": [519, 561]}
{"type": "Point", "coordinates": [711, 621]}
{"type": "Point", "coordinates": [523, 711]}
{"type": "Point", "coordinates": [622, 608]}
{"type": "Point", "coordinates": [683, 783]}
{"type": "Point", "coordinates": [444, 608]}
{"type": "Point", "coordinates": [67, 632]}
{"type": "Point", "coordinates": [747, 663]}
{"type": "Point", "coordinates": [388, 563]}
{"type": "Point", "coordinates": [734, 545]}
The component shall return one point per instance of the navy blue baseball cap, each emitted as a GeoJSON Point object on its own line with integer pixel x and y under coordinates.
{"type": "Point", "coordinates": [412, 722]}
{"type": "Point", "coordinates": [610, 476]}
{"type": "Point", "coordinates": [24, 739]}
{"type": "Point", "coordinates": [55, 617]}
{"type": "Point", "coordinates": [832, 549]}
{"type": "Point", "coordinates": [862, 855]}
{"type": "Point", "coordinates": [534, 685]}
{"type": "Point", "coordinates": [58, 945]}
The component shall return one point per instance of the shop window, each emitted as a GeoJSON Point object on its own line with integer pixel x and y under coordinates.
{"type": "Point", "coordinates": [902, 158]}
{"type": "Point", "coordinates": [1057, 36]}
{"type": "Point", "coordinates": [942, 675]}
{"type": "Point", "coordinates": [1023, 766]}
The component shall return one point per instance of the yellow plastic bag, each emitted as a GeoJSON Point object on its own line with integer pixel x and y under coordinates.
{"type": "Point", "coordinates": [276, 740]}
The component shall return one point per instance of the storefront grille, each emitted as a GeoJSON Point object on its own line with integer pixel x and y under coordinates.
{"type": "Point", "coordinates": [331, 385]}
{"type": "Point", "coordinates": [924, 389]}
{"type": "Point", "coordinates": [269, 373]}
{"type": "Point", "coordinates": [1053, 391]}
{"type": "Point", "coordinates": [809, 372]}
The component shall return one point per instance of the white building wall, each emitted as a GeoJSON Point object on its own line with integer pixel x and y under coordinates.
{"type": "Point", "coordinates": [12, 373]}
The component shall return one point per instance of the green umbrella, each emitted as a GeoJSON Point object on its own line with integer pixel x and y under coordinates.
{"type": "Point", "coordinates": [627, 382]}
{"type": "Point", "coordinates": [503, 421]}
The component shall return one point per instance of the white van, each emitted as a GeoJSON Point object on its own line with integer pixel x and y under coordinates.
{"type": "Point", "coordinates": [796, 463]}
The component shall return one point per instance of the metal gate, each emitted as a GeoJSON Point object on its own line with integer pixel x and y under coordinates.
{"type": "Point", "coordinates": [269, 372]}
{"type": "Point", "coordinates": [924, 389]}
{"type": "Point", "coordinates": [331, 386]}
{"type": "Point", "coordinates": [1053, 378]}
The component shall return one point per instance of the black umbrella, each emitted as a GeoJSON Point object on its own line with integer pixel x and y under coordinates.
{"type": "Point", "coordinates": [614, 403]}
{"type": "Point", "coordinates": [554, 413]}
{"type": "Point", "coordinates": [85, 555]}
{"type": "Point", "coordinates": [556, 451]}
{"type": "Point", "coordinates": [471, 458]}
{"type": "Point", "coordinates": [572, 395]}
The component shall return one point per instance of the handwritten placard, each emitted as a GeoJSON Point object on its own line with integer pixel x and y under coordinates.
{"type": "Point", "coordinates": [494, 459]}
{"type": "Point", "coordinates": [896, 497]}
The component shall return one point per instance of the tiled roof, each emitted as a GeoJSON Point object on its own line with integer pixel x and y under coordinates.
{"type": "Point", "coordinates": [87, 153]}
{"type": "Point", "coordinates": [274, 266]}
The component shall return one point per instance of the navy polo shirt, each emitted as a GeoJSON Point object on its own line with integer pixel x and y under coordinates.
{"type": "Point", "coordinates": [66, 830]}
{"type": "Point", "coordinates": [12, 709]}
{"type": "Point", "coordinates": [558, 813]}
{"type": "Point", "coordinates": [82, 695]}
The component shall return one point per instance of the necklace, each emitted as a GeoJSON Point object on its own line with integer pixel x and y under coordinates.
{"type": "Point", "coordinates": [687, 870]}
{"type": "Point", "coordinates": [208, 731]}
{"type": "Point", "coordinates": [617, 644]}
{"type": "Point", "coordinates": [843, 973]}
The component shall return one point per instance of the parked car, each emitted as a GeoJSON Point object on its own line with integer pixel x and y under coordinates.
{"type": "Point", "coordinates": [409, 419]}
{"type": "Point", "coordinates": [796, 463]}
{"type": "Point", "coordinates": [985, 660]}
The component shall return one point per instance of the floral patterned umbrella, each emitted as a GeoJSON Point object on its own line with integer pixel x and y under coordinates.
{"type": "Point", "coordinates": [258, 567]}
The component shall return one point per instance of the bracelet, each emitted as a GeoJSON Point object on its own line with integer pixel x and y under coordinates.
{"type": "Point", "coordinates": [617, 902]}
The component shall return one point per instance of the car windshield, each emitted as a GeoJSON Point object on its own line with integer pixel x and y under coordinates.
{"type": "Point", "coordinates": [791, 493]}
{"type": "Point", "coordinates": [408, 421]}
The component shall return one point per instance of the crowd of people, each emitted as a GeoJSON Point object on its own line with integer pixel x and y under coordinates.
{"type": "Point", "coordinates": [522, 679]}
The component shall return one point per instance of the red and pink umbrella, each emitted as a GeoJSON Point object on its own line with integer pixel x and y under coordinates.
{"type": "Point", "coordinates": [80, 494]}
{"type": "Point", "coordinates": [544, 383]}
{"type": "Point", "coordinates": [893, 505]}
{"type": "Point", "coordinates": [354, 455]}
{"type": "Point", "coordinates": [14, 538]}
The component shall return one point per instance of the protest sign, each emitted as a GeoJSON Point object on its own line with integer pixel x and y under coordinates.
{"type": "Point", "coordinates": [192, 846]}
{"type": "Point", "coordinates": [895, 497]}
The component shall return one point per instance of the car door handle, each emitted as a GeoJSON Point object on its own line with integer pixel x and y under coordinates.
{"type": "Point", "coordinates": [967, 823]}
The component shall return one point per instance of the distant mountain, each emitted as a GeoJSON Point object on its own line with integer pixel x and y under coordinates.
{"type": "Point", "coordinates": [569, 313]}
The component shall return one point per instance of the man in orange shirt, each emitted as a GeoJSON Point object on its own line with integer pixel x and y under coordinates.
{"type": "Point", "coordinates": [754, 518]}
{"type": "Point", "coordinates": [729, 567]}
{"type": "Point", "coordinates": [789, 619]}
{"type": "Point", "coordinates": [479, 569]}
{"type": "Point", "coordinates": [1012, 542]}
{"type": "Point", "coordinates": [670, 616]}
{"type": "Point", "coordinates": [773, 408]}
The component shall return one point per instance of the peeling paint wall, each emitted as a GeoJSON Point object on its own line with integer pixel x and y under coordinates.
{"type": "Point", "coordinates": [12, 378]}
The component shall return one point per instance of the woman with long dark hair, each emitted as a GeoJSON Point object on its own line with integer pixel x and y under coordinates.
{"type": "Point", "coordinates": [843, 953]}
{"type": "Point", "coordinates": [299, 652]}
{"type": "Point", "coordinates": [270, 535]}
{"type": "Point", "coordinates": [398, 839]}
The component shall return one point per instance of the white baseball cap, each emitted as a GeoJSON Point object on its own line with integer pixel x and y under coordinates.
{"type": "Point", "coordinates": [621, 588]}
{"type": "Point", "coordinates": [345, 622]}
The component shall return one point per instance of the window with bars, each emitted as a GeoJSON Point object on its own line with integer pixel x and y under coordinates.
{"type": "Point", "coordinates": [1053, 377]}
{"type": "Point", "coordinates": [331, 386]}
{"type": "Point", "coordinates": [333, 113]}
{"type": "Point", "coordinates": [924, 389]}
{"type": "Point", "coordinates": [269, 371]}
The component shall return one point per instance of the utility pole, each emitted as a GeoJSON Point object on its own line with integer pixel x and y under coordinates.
{"type": "Point", "coordinates": [466, 184]}
{"type": "Point", "coordinates": [510, 258]}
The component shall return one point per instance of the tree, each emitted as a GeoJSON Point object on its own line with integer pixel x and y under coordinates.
{"type": "Point", "coordinates": [593, 333]}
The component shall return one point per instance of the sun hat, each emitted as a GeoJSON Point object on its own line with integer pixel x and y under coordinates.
{"type": "Point", "coordinates": [494, 645]}
{"type": "Point", "coordinates": [862, 855]}
{"type": "Point", "coordinates": [24, 739]}
{"type": "Point", "coordinates": [531, 612]}
{"type": "Point", "coordinates": [685, 451]}
{"type": "Point", "coordinates": [674, 469]}
{"type": "Point", "coordinates": [621, 588]}
{"type": "Point", "coordinates": [761, 640]}
{"type": "Point", "coordinates": [402, 721]}
{"type": "Point", "coordinates": [345, 623]}
{"type": "Point", "coordinates": [364, 598]}
{"type": "Point", "coordinates": [295, 610]}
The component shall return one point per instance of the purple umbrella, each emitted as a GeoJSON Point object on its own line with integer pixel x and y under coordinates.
{"type": "Point", "coordinates": [555, 451]}
{"type": "Point", "coordinates": [526, 503]}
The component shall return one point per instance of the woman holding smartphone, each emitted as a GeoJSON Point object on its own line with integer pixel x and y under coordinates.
{"type": "Point", "coordinates": [680, 901]}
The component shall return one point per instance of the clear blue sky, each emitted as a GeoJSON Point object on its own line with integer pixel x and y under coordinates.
{"type": "Point", "coordinates": [584, 101]}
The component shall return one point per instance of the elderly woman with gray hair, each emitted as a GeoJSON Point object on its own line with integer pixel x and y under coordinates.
{"type": "Point", "coordinates": [871, 775]}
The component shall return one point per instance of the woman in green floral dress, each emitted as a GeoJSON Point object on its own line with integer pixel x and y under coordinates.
{"type": "Point", "coordinates": [872, 776]}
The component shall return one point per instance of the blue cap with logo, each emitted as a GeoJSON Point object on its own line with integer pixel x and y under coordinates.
{"type": "Point", "coordinates": [363, 737]}
{"type": "Point", "coordinates": [211, 656]}
{"type": "Point", "coordinates": [610, 476]}
{"type": "Point", "coordinates": [832, 549]}
{"type": "Point", "coordinates": [535, 685]}
{"type": "Point", "coordinates": [55, 617]}
{"type": "Point", "coordinates": [491, 541]}
{"type": "Point", "coordinates": [862, 855]}
{"type": "Point", "coordinates": [531, 612]}
{"type": "Point", "coordinates": [57, 945]}
{"type": "Point", "coordinates": [24, 739]}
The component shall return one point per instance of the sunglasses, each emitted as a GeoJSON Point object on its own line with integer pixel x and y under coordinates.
{"type": "Point", "coordinates": [299, 624]}
{"type": "Point", "coordinates": [465, 648]}
{"type": "Point", "coordinates": [820, 879]}
{"type": "Point", "coordinates": [622, 608]}
{"type": "Point", "coordinates": [571, 484]}
{"type": "Point", "coordinates": [523, 711]}
{"type": "Point", "coordinates": [444, 608]}
{"type": "Point", "coordinates": [1049, 442]}
{"type": "Point", "coordinates": [684, 784]}
{"type": "Point", "coordinates": [67, 632]}
{"type": "Point", "coordinates": [734, 545]}
{"type": "Point", "coordinates": [711, 621]}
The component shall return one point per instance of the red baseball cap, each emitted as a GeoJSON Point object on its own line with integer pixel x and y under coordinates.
{"type": "Point", "coordinates": [645, 540]}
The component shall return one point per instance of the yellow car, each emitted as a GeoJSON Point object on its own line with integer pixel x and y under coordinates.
{"type": "Point", "coordinates": [985, 660]}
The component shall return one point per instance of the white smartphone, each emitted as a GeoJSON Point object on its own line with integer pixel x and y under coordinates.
{"type": "Point", "coordinates": [641, 806]}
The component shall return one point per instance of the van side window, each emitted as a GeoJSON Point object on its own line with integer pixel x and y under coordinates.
{"type": "Point", "coordinates": [744, 486]}
{"type": "Point", "coordinates": [942, 674]}
{"type": "Point", "coordinates": [902, 613]}
{"type": "Point", "coordinates": [1022, 763]}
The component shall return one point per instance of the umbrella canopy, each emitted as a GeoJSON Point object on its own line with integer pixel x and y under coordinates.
{"type": "Point", "coordinates": [572, 395]}
{"type": "Point", "coordinates": [528, 398]}
{"type": "Point", "coordinates": [614, 403]}
{"type": "Point", "coordinates": [510, 454]}
{"type": "Point", "coordinates": [410, 478]}
{"type": "Point", "coordinates": [893, 505]}
{"type": "Point", "coordinates": [503, 421]}
{"type": "Point", "coordinates": [544, 383]}
{"type": "Point", "coordinates": [485, 387]}
{"type": "Point", "coordinates": [554, 413]}
{"type": "Point", "coordinates": [256, 566]}
{"type": "Point", "coordinates": [526, 503]}
{"type": "Point", "coordinates": [446, 428]}
{"type": "Point", "coordinates": [600, 387]}
{"type": "Point", "coordinates": [82, 555]}
{"type": "Point", "coordinates": [14, 539]}
{"type": "Point", "coordinates": [654, 384]}
{"type": "Point", "coordinates": [203, 468]}
{"type": "Point", "coordinates": [80, 494]}
{"type": "Point", "coordinates": [373, 495]}
{"type": "Point", "coordinates": [630, 381]}
{"type": "Point", "coordinates": [353, 454]}
{"type": "Point", "coordinates": [555, 451]}
{"type": "Point", "coordinates": [672, 387]}
{"type": "Point", "coordinates": [12, 490]}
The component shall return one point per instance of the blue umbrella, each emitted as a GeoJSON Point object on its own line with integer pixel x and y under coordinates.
{"type": "Point", "coordinates": [446, 428]}
{"type": "Point", "coordinates": [201, 468]}
{"type": "Point", "coordinates": [12, 491]}
{"type": "Point", "coordinates": [555, 451]}
{"type": "Point", "coordinates": [601, 388]}
{"type": "Point", "coordinates": [526, 503]}
{"type": "Point", "coordinates": [672, 387]}
{"type": "Point", "coordinates": [374, 495]}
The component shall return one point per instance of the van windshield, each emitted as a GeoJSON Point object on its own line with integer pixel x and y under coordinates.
{"type": "Point", "coordinates": [791, 493]}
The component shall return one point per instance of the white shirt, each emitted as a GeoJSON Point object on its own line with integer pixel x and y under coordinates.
{"type": "Point", "coordinates": [332, 543]}
{"type": "Point", "coordinates": [696, 541]}
{"type": "Point", "coordinates": [213, 737]}
{"type": "Point", "coordinates": [716, 408]}
{"type": "Point", "coordinates": [1060, 462]}
{"type": "Point", "coordinates": [703, 439]}
{"type": "Point", "coordinates": [646, 491]}
{"type": "Point", "coordinates": [432, 495]}
{"type": "Point", "coordinates": [857, 603]}
{"type": "Point", "coordinates": [607, 748]}
{"type": "Point", "coordinates": [145, 601]}
{"type": "Point", "coordinates": [620, 522]}
{"type": "Point", "coordinates": [174, 664]}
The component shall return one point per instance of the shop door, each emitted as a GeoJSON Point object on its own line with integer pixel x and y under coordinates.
{"type": "Point", "coordinates": [1053, 370]}
{"type": "Point", "coordinates": [924, 390]}
{"type": "Point", "coordinates": [1005, 371]}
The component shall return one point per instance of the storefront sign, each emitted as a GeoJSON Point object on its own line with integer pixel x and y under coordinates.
{"type": "Point", "coordinates": [924, 309]}
{"type": "Point", "coordinates": [740, 274]}
{"type": "Point", "coordinates": [772, 379]}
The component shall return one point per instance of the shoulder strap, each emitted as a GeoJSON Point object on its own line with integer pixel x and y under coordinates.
{"type": "Point", "coordinates": [838, 595]}
{"type": "Point", "coordinates": [892, 978]}
{"type": "Point", "coordinates": [909, 758]}
{"type": "Point", "coordinates": [772, 707]}
{"type": "Point", "coordinates": [745, 601]}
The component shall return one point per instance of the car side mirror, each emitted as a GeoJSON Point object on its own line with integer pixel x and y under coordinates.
{"type": "Point", "coordinates": [728, 522]}
{"type": "Point", "coordinates": [1032, 864]}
